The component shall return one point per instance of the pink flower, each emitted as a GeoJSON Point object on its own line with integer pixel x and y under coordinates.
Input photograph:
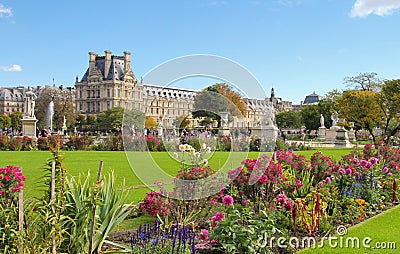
{"type": "Point", "coordinates": [369, 165]}
{"type": "Point", "coordinates": [385, 169]}
{"type": "Point", "coordinates": [227, 200]}
{"type": "Point", "coordinates": [348, 171]}
{"type": "Point", "coordinates": [246, 202]}
{"type": "Point", "coordinates": [320, 184]}
{"type": "Point", "coordinates": [341, 171]}
{"type": "Point", "coordinates": [288, 206]}
{"type": "Point", "coordinates": [355, 161]}
{"type": "Point", "coordinates": [214, 224]}
{"type": "Point", "coordinates": [363, 163]}
{"type": "Point", "coordinates": [220, 216]}
{"type": "Point", "coordinates": [281, 199]}
{"type": "Point", "coordinates": [373, 160]}
{"type": "Point", "coordinates": [328, 179]}
{"type": "Point", "coordinates": [204, 234]}
{"type": "Point", "coordinates": [7, 178]}
{"type": "Point", "coordinates": [390, 174]}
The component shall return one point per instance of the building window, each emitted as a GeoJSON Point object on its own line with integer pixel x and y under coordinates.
{"type": "Point", "coordinates": [98, 93]}
{"type": "Point", "coordinates": [151, 110]}
{"type": "Point", "coordinates": [80, 106]}
{"type": "Point", "coordinates": [108, 105]}
{"type": "Point", "coordinates": [80, 94]}
{"type": "Point", "coordinates": [125, 94]}
{"type": "Point", "coordinates": [108, 93]}
{"type": "Point", "coordinates": [118, 93]}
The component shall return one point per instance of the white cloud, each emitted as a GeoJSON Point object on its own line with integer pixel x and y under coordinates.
{"type": "Point", "coordinates": [363, 8]}
{"type": "Point", "coordinates": [5, 12]}
{"type": "Point", "coordinates": [14, 67]}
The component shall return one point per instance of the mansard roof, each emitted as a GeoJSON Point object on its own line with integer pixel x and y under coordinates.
{"type": "Point", "coordinates": [116, 71]}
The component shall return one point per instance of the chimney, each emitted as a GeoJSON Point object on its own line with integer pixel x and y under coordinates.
{"type": "Point", "coordinates": [107, 63]}
{"type": "Point", "coordinates": [127, 61]}
{"type": "Point", "coordinates": [92, 61]}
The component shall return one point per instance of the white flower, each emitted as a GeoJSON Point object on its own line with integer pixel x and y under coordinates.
{"type": "Point", "coordinates": [205, 162]}
{"type": "Point", "coordinates": [208, 150]}
{"type": "Point", "coordinates": [197, 154]}
{"type": "Point", "coordinates": [182, 148]}
{"type": "Point", "coordinates": [204, 146]}
{"type": "Point", "coordinates": [192, 151]}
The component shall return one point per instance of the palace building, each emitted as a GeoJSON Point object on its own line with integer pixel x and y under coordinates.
{"type": "Point", "coordinates": [109, 81]}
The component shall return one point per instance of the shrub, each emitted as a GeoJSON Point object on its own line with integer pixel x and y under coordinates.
{"type": "Point", "coordinates": [79, 143]}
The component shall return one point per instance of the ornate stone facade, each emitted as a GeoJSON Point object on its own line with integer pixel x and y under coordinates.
{"type": "Point", "coordinates": [109, 82]}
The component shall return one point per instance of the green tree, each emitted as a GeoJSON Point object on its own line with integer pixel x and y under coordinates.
{"type": "Point", "coordinates": [288, 119]}
{"type": "Point", "coordinates": [181, 122]}
{"type": "Point", "coordinates": [63, 106]}
{"type": "Point", "coordinates": [360, 107]}
{"type": "Point", "coordinates": [363, 81]}
{"type": "Point", "coordinates": [113, 118]}
{"type": "Point", "coordinates": [210, 102]}
{"type": "Point", "coordinates": [16, 117]}
{"type": "Point", "coordinates": [389, 101]}
{"type": "Point", "coordinates": [326, 106]}
{"type": "Point", "coordinates": [310, 116]}
{"type": "Point", "coordinates": [5, 122]}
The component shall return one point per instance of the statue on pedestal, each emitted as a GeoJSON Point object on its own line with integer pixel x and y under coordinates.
{"type": "Point", "coordinates": [269, 117]}
{"type": "Point", "coordinates": [335, 118]}
{"type": "Point", "coordinates": [322, 120]}
{"type": "Point", "coordinates": [30, 101]}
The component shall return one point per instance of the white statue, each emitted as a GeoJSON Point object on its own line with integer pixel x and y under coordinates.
{"type": "Point", "coordinates": [30, 101]}
{"type": "Point", "coordinates": [64, 123]}
{"type": "Point", "coordinates": [335, 118]}
{"type": "Point", "coordinates": [322, 120]}
{"type": "Point", "coordinates": [269, 117]}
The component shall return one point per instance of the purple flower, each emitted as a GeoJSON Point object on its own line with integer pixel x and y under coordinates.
{"type": "Point", "coordinates": [373, 160]}
{"type": "Point", "coordinates": [227, 200]}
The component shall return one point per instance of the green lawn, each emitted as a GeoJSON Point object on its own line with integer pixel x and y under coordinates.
{"type": "Point", "coordinates": [383, 231]}
{"type": "Point", "coordinates": [79, 162]}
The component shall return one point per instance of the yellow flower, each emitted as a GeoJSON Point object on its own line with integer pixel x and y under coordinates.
{"type": "Point", "coordinates": [383, 197]}
{"type": "Point", "coordinates": [182, 148]}
{"type": "Point", "coordinates": [359, 216]}
{"type": "Point", "coordinates": [383, 206]}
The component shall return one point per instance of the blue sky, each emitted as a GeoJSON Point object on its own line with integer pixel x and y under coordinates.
{"type": "Point", "coordinates": [295, 46]}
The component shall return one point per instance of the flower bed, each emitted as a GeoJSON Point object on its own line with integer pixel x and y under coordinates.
{"type": "Point", "coordinates": [283, 198]}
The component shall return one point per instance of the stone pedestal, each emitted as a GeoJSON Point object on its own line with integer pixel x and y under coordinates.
{"type": "Point", "coordinates": [352, 135]}
{"type": "Point", "coordinates": [338, 137]}
{"type": "Point", "coordinates": [268, 136]}
{"type": "Point", "coordinates": [29, 127]}
{"type": "Point", "coordinates": [321, 133]}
